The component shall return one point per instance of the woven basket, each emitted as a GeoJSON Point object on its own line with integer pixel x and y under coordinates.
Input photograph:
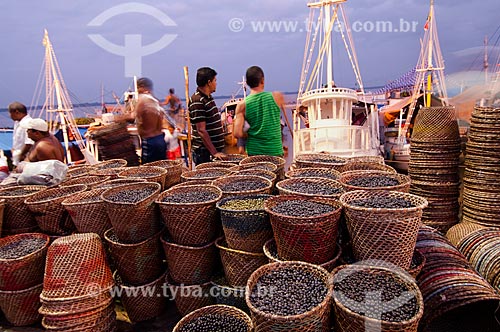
{"type": "Point", "coordinates": [76, 267]}
{"type": "Point", "coordinates": [134, 222]}
{"type": "Point", "coordinates": [264, 185]}
{"type": "Point", "coordinates": [191, 224]}
{"type": "Point", "coordinates": [308, 239]}
{"type": "Point", "coordinates": [16, 214]}
{"type": "Point", "coordinates": [316, 319]}
{"type": "Point", "coordinates": [81, 320]}
{"type": "Point", "coordinates": [78, 170]}
{"type": "Point", "coordinates": [239, 265]}
{"type": "Point", "coordinates": [247, 229]}
{"type": "Point", "coordinates": [117, 182]}
{"type": "Point", "coordinates": [403, 186]}
{"type": "Point", "coordinates": [112, 173]}
{"type": "Point", "coordinates": [313, 172]}
{"type": "Point", "coordinates": [21, 307]}
{"type": "Point", "coordinates": [88, 212]}
{"type": "Point", "coordinates": [206, 174]}
{"type": "Point", "coordinates": [458, 232]}
{"type": "Point", "coordinates": [188, 298]}
{"type": "Point", "coordinates": [386, 234]}
{"type": "Point", "coordinates": [367, 166]}
{"type": "Point", "coordinates": [233, 158]}
{"type": "Point", "coordinates": [278, 161]}
{"type": "Point", "coordinates": [149, 173]}
{"type": "Point", "coordinates": [191, 265]}
{"type": "Point", "coordinates": [271, 253]}
{"type": "Point", "coordinates": [417, 264]}
{"type": "Point", "coordinates": [218, 310]}
{"type": "Point", "coordinates": [111, 163]}
{"type": "Point", "coordinates": [366, 159]}
{"type": "Point", "coordinates": [26, 271]}
{"type": "Point", "coordinates": [90, 180]}
{"type": "Point", "coordinates": [63, 308]}
{"type": "Point", "coordinates": [146, 301]}
{"type": "Point", "coordinates": [215, 164]}
{"type": "Point", "coordinates": [311, 187]}
{"type": "Point", "coordinates": [138, 263]}
{"type": "Point", "coordinates": [271, 176]}
{"type": "Point", "coordinates": [49, 213]}
{"type": "Point", "coordinates": [350, 321]}
{"type": "Point", "coordinates": [174, 171]}
{"type": "Point", "coordinates": [8, 232]}
{"type": "Point", "coordinates": [227, 295]}
{"type": "Point", "coordinates": [264, 165]}
{"type": "Point", "coordinates": [436, 124]}
{"type": "Point", "coordinates": [325, 160]}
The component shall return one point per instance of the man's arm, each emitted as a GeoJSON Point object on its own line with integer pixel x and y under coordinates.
{"type": "Point", "coordinates": [239, 121]}
{"type": "Point", "coordinates": [24, 151]}
{"type": "Point", "coordinates": [279, 99]}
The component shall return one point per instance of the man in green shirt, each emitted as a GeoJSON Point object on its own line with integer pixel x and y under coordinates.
{"type": "Point", "coordinates": [262, 111]}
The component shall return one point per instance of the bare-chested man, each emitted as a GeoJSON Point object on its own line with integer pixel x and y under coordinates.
{"type": "Point", "coordinates": [46, 146]}
{"type": "Point", "coordinates": [149, 115]}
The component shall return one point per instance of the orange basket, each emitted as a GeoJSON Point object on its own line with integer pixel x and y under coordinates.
{"type": "Point", "coordinates": [16, 215]}
{"type": "Point", "coordinates": [174, 171]}
{"type": "Point", "coordinates": [21, 307]}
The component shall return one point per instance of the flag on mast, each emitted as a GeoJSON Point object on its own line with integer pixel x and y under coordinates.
{"type": "Point", "coordinates": [426, 26]}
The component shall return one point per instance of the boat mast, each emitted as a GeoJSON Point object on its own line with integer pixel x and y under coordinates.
{"type": "Point", "coordinates": [429, 71]}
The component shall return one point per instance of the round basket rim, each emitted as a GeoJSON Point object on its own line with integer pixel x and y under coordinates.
{"type": "Point", "coordinates": [228, 308]}
{"type": "Point", "coordinates": [106, 289]}
{"type": "Point", "coordinates": [159, 199]}
{"type": "Point", "coordinates": [185, 175]}
{"type": "Point", "coordinates": [22, 291]}
{"type": "Point", "coordinates": [176, 245]}
{"type": "Point", "coordinates": [322, 270]}
{"type": "Point", "coordinates": [175, 163]}
{"type": "Point", "coordinates": [330, 201]}
{"type": "Point", "coordinates": [41, 187]}
{"type": "Point", "coordinates": [99, 165]}
{"type": "Point", "coordinates": [82, 187]}
{"type": "Point", "coordinates": [423, 202]}
{"type": "Point", "coordinates": [279, 186]}
{"type": "Point", "coordinates": [153, 184]}
{"type": "Point", "coordinates": [129, 245]}
{"type": "Point", "coordinates": [145, 286]}
{"type": "Point", "coordinates": [268, 183]}
{"type": "Point", "coordinates": [70, 201]}
{"type": "Point", "coordinates": [248, 166]}
{"type": "Point", "coordinates": [223, 201]}
{"type": "Point", "coordinates": [291, 172]}
{"type": "Point", "coordinates": [134, 169]}
{"type": "Point", "coordinates": [250, 159]}
{"type": "Point", "coordinates": [265, 247]}
{"type": "Point", "coordinates": [343, 161]}
{"type": "Point", "coordinates": [405, 276]}
{"type": "Point", "coordinates": [220, 245]}
{"type": "Point", "coordinates": [405, 180]}
{"type": "Point", "coordinates": [23, 235]}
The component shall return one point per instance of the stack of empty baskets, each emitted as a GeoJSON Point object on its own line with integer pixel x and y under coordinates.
{"type": "Point", "coordinates": [17, 218]}
{"type": "Point", "coordinates": [482, 174]}
{"type": "Point", "coordinates": [76, 289]}
{"type": "Point", "coordinates": [192, 222]}
{"type": "Point", "coordinates": [134, 244]}
{"type": "Point", "coordinates": [433, 168]}
{"type": "Point", "coordinates": [114, 141]}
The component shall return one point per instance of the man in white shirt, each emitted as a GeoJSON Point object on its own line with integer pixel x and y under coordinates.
{"type": "Point", "coordinates": [21, 143]}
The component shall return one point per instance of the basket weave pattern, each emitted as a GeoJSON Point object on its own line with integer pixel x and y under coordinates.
{"type": "Point", "coordinates": [191, 224]}
{"type": "Point", "coordinates": [144, 306]}
{"type": "Point", "coordinates": [283, 187]}
{"type": "Point", "coordinates": [16, 214]}
{"type": "Point", "coordinates": [90, 180]}
{"type": "Point", "coordinates": [309, 239]}
{"type": "Point", "coordinates": [245, 230]}
{"type": "Point", "coordinates": [137, 263]}
{"type": "Point", "coordinates": [239, 265]}
{"type": "Point", "coordinates": [265, 187]}
{"type": "Point", "coordinates": [319, 172]}
{"type": "Point", "coordinates": [456, 233]}
{"type": "Point", "coordinates": [88, 217]}
{"type": "Point", "coordinates": [21, 307]}
{"type": "Point", "coordinates": [367, 166]}
{"type": "Point", "coordinates": [219, 310]}
{"type": "Point", "coordinates": [192, 297]}
{"type": "Point", "coordinates": [149, 173]}
{"type": "Point", "coordinates": [49, 212]}
{"type": "Point", "coordinates": [134, 222]}
{"type": "Point", "coordinates": [384, 234]}
{"type": "Point", "coordinates": [26, 271]}
{"type": "Point", "coordinates": [174, 171]}
{"type": "Point", "coordinates": [347, 320]}
{"type": "Point", "coordinates": [191, 265]}
{"type": "Point", "coordinates": [278, 161]}
{"type": "Point", "coordinates": [316, 319]}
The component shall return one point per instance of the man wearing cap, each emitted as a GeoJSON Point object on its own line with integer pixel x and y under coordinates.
{"type": "Point", "coordinates": [46, 146]}
{"type": "Point", "coordinates": [20, 141]}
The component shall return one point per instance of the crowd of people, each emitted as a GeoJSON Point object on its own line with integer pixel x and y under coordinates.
{"type": "Point", "coordinates": [257, 123]}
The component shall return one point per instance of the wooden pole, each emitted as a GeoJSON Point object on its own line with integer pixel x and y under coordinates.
{"type": "Point", "coordinates": [188, 129]}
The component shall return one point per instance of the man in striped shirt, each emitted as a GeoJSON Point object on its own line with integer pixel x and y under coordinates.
{"type": "Point", "coordinates": [208, 134]}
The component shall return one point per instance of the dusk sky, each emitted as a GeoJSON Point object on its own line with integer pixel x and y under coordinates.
{"type": "Point", "coordinates": [207, 33]}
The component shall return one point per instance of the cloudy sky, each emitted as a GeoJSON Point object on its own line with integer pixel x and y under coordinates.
{"type": "Point", "coordinates": [221, 34]}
